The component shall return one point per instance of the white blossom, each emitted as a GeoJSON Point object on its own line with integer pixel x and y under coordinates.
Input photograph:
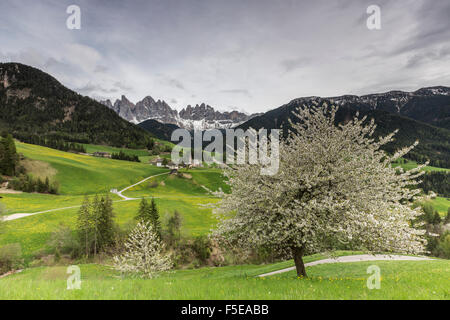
{"type": "Point", "coordinates": [143, 253]}
{"type": "Point", "coordinates": [334, 186]}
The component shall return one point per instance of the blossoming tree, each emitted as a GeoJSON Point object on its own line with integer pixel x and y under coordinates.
{"type": "Point", "coordinates": [334, 186]}
{"type": "Point", "coordinates": [143, 253]}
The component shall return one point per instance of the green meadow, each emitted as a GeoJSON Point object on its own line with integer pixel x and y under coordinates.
{"type": "Point", "coordinates": [91, 148]}
{"type": "Point", "coordinates": [399, 280]}
{"type": "Point", "coordinates": [81, 175]}
{"type": "Point", "coordinates": [188, 192]}
{"type": "Point", "coordinates": [441, 205]}
{"type": "Point", "coordinates": [34, 232]}
{"type": "Point", "coordinates": [413, 164]}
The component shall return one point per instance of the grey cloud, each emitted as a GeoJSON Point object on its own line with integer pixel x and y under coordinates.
{"type": "Point", "coordinates": [175, 83]}
{"type": "Point", "coordinates": [292, 64]}
{"type": "Point", "coordinates": [432, 26]}
{"type": "Point", "coordinates": [191, 49]}
{"type": "Point", "coordinates": [244, 92]}
{"type": "Point", "coordinates": [122, 87]}
{"type": "Point", "coordinates": [428, 56]}
{"type": "Point", "coordinates": [101, 69]}
{"type": "Point", "coordinates": [94, 89]}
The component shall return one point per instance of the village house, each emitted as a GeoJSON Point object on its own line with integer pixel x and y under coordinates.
{"type": "Point", "coordinates": [102, 154]}
{"type": "Point", "coordinates": [157, 162]}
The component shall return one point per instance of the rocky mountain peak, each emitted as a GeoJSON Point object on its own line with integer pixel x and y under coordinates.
{"type": "Point", "coordinates": [201, 116]}
{"type": "Point", "coordinates": [148, 100]}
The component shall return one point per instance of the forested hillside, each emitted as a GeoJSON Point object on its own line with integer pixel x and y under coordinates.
{"type": "Point", "coordinates": [160, 130]}
{"type": "Point", "coordinates": [32, 103]}
{"type": "Point", "coordinates": [434, 142]}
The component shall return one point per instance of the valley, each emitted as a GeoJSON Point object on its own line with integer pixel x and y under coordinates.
{"type": "Point", "coordinates": [81, 175]}
{"type": "Point", "coordinates": [183, 193]}
{"type": "Point", "coordinates": [40, 225]}
{"type": "Point", "coordinates": [224, 159]}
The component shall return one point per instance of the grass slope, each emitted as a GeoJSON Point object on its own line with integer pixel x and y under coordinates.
{"type": "Point", "coordinates": [399, 280]}
{"type": "Point", "coordinates": [413, 164]}
{"type": "Point", "coordinates": [79, 175]}
{"type": "Point", "coordinates": [441, 205]}
{"type": "Point", "coordinates": [91, 148]}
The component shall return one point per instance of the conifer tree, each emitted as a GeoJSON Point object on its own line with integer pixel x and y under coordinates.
{"type": "Point", "coordinates": [85, 225]}
{"type": "Point", "coordinates": [105, 222]}
{"type": "Point", "coordinates": [447, 217]}
{"type": "Point", "coordinates": [8, 156]}
{"type": "Point", "coordinates": [95, 216]}
{"type": "Point", "coordinates": [144, 211]}
{"type": "Point", "coordinates": [149, 213]}
{"type": "Point", "coordinates": [154, 218]}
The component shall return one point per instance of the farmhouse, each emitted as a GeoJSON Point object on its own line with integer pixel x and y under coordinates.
{"type": "Point", "coordinates": [102, 154]}
{"type": "Point", "coordinates": [157, 162]}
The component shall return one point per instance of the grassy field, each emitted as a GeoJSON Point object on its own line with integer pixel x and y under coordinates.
{"type": "Point", "coordinates": [441, 205]}
{"type": "Point", "coordinates": [413, 164]}
{"type": "Point", "coordinates": [91, 148]}
{"type": "Point", "coordinates": [188, 193]}
{"type": "Point", "coordinates": [79, 174]}
{"type": "Point", "coordinates": [399, 280]}
{"type": "Point", "coordinates": [34, 232]}
{"type": "Point", "coordinates": [34, 202]}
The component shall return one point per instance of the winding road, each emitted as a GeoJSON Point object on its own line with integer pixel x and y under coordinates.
{"type": "Point", "coordinates": [354, 258]}
{"type": "Point", "coordinates": [16, 216]}
{"type": "Point", "coordinates": [119, 193]}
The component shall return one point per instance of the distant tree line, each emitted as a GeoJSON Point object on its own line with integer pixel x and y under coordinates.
{"type": "Point", "coordinates": [52, 142]}
{"type": "Point", "coordinates": [8, 155]}
{"type": "Point", "coordinates": [437, 181]}
{"type": "Point", "coordinates": [432, 158]}
{"type": "Point", "coordinates": [21, 181]}
{"type": "Point", "coordinates": [156, 149]}
{"type": "Point", "coordinates": [123, 156]}
{"type": "Point", "coordinates": [437, 235]}
{"type": "Point", "coordinates": [26, 183]}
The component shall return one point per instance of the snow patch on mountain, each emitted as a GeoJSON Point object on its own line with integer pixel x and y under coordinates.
{"type": "Point", "coordinates": [199, 117]}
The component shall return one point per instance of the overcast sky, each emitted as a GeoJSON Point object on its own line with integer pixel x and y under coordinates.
{"type": "Point", "coordinates": [249, 55]}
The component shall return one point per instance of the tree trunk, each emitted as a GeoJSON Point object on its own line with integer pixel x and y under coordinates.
{"type": "Point", "coordinates": [86, 243]}
{"type": "Point", "coordinates": [297, 253]}
{"type": "Point", "coordinates": [95, 243]}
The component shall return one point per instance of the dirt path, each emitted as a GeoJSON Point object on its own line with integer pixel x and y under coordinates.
{"type": "Point", "coordinates": [355, 258]}
{"type": "Point", "coordinates": [9, 191]}
{"type": "Point", "coordinates": [10, 273]}
{"type": "Point", "coordinates": [119, 193]}
{"type": "Point", "coordinates": [16, 216]}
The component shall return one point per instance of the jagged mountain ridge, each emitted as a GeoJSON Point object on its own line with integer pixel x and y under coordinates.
{"type": "Point", "coordinates": [198, 117]}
